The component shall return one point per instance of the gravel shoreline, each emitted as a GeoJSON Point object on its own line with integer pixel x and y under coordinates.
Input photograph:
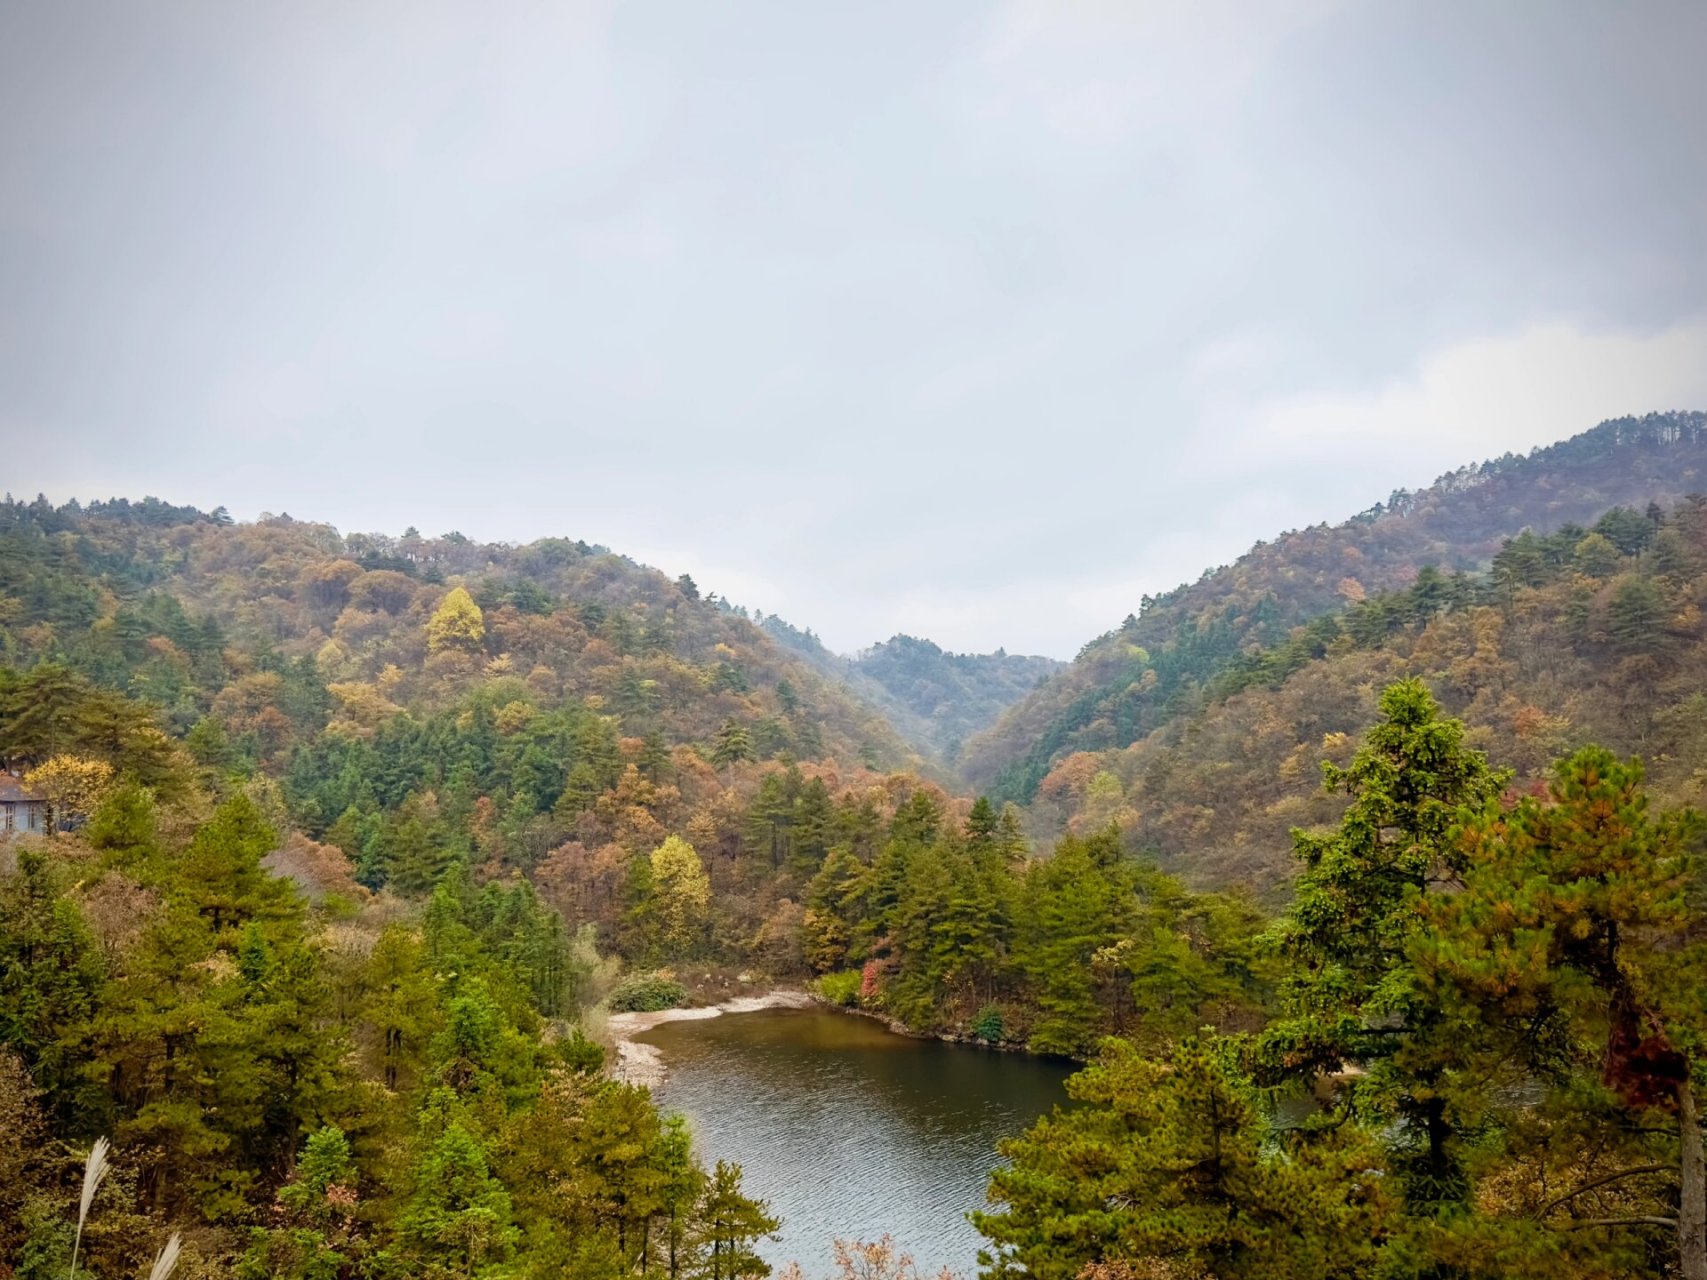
{"type": "Point", "coordinates": [638, 1063]}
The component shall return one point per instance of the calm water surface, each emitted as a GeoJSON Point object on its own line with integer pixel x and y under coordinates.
{"type": "Point", "coordinates": [849, 1130]}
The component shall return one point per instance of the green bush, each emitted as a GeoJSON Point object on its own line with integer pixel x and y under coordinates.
{"type": "Point", "coordinates": [839, 988]}
{"type": "Point", "coordinates": [988, 1025]}
{"type": "Point", "coordinates": [579, 1053]}
{"type": "Point", "coordinates": [646, 993]}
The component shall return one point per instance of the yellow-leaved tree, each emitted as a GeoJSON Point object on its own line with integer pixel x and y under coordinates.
{"type": "Point", "coordinates": [458, 625]}
{"type": "Point", "coordinates": [681, 895]}
{"type": "Point", "coordinates": [74, 787]}
{"type": "Point", "coordinates": [362, 708]}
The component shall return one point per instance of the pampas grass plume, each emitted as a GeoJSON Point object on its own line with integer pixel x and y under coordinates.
{"type": "Point", "coordinates": [168, 1258]}
{"type": "Point", "coordinates": [93, 1172]}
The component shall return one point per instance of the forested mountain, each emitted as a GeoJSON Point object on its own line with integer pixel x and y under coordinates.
{"type": "Point", "coordinates": [1156, 667]}
{"type": "Point", "coordinates": [1585, 635]}
{"type": "Point", "coordinates": [278, 627]}
{"type": "Point", "coordinates": [935, 699]}
{"type": "Point", "coordinates": [354, 835]}
{"type": "Point", "coordinates": [357, 839]}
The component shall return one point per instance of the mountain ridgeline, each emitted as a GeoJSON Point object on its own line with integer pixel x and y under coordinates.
{"type": "Point", "coordinates": [198, 615]}
{"type": "Point", "coordinates": [1584, 636]}
{"type": "Point", "coordinates": [935, 699]}
{"type": "Point", "coordinates": [1161, 664]}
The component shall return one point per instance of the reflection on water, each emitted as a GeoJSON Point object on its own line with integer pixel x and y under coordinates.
{"type": "Point", "coordinates": [849, 1130]}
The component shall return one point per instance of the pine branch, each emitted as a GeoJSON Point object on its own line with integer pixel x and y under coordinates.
{"type": "Point", "coordinates": [1600, 1182]}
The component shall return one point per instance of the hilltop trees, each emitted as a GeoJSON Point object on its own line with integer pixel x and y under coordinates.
{"type": "Point", "coordinates": [1190, 636]}
{"type": "Point", "coordinates": [1547, 650]}
{"type": "Point", "coordinates": [243, 639]}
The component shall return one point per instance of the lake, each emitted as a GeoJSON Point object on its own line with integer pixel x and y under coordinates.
{"type": "Point", "coordinates": [849, 1130]}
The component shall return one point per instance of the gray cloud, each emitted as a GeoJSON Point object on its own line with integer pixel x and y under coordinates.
{"type": "Point", "coordinates": [943, 318]}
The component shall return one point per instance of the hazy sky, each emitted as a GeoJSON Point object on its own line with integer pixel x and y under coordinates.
{"type": "Point", "coordinates": [970, 320]}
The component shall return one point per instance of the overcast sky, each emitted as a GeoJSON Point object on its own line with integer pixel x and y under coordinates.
{"type": "Point", "coordinates": [975, 321]}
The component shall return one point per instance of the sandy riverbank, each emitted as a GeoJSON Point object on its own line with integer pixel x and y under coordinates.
{"type": "Point", "coordinates": [638, 1063]}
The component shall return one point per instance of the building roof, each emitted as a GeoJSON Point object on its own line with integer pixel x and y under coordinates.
{"type": "Point", "coordinates": [12, 791]}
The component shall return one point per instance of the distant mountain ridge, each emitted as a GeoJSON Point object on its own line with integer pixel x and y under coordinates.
{"type": "Point", "coordinates": [934, 698]}
{"type": "Point", "coordinates": [1129, 681]}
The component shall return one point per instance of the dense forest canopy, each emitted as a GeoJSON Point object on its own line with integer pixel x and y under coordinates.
{"type": "Point", "coordinates": [1481, 1056]}
{"type": "Point", "coordinates": [129, 593]}
{"type": "Point", "coordinates": [1590, 634]}
{"type": "Point", "coordinates": [411, 814]}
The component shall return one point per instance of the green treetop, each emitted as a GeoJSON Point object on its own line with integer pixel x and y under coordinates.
{"type": "Point", "coordinates": [1565, 959]}
{"type": "Point", "coordinates": [1351, 995]}
{"type": "Point", "coordinates": [733, 744]}
{"type": "Point", "coordinates": [1164, 1170]}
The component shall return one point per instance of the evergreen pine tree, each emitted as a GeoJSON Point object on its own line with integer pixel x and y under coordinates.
{"type": "Point", "coordinates": [730, 1224]}
{"type": "Point", "coordinates": [1350, 995]}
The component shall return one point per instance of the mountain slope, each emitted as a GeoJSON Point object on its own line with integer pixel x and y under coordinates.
{"type": "Point", "coordinates": [1127, 683]}
{"type": "Point", "coordinates": [935, 699]}
{"type": "Point", "coordinates": [189, 611]}
{"type": "Point", "coordinates": [1585, 636]}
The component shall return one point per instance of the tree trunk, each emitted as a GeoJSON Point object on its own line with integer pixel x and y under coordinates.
{"type": "Point", "coordinates": [1692, 1208]}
